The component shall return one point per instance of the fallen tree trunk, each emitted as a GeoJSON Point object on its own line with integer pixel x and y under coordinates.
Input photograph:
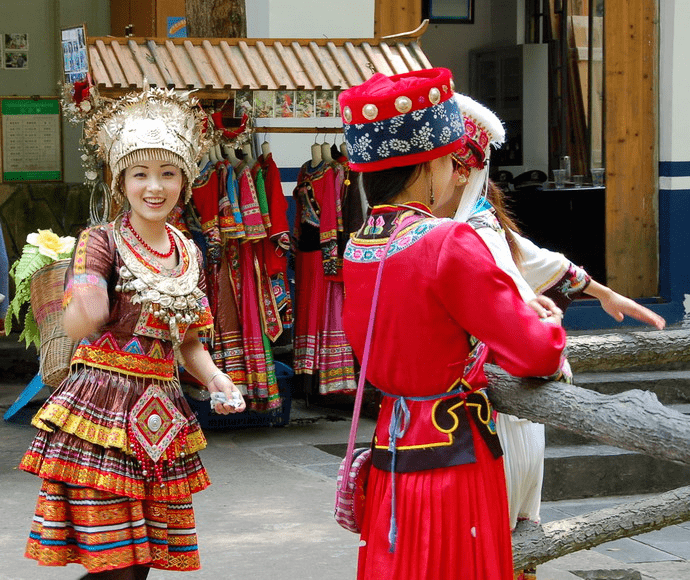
{"type": "Point", "coordinates": [607, 352]}
{"type": "Point", "coordinates": [534, 544]}
{"type": "Point", "coordinates": [634, 420]}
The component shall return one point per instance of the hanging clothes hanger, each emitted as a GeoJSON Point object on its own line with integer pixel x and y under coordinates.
{"type": "Point", "coordinates": [213, 155]}
{"type": "Point", "coordinates": [326, 151]}
{"type": "Point", "coordinates": [265, 147]}
{"type": "Point", "coordinates": [316, 157]}
{"type": "Point", "coordinates": [229, 153]}
{"type": "Point", "coordinates": [248, 154]}
{"type": "Point", "coordinates": [343, 148]}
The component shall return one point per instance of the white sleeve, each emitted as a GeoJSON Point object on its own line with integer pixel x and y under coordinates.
{"type": "Point", "coordinates": [498, 245]}
{"type": "Point", "coordinates": [541, 268]}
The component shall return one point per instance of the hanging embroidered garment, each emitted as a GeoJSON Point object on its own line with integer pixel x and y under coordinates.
{"type": "Point", "coordinates": [262, 386]}
{"type": "Point", "coordinates": [272, 324]}
{"type": "Point", "coordinates": [277, 244]}
{"type": "Point", "coordinates": [320, 348]}
{"type": "Point", "coordinates": [336, 361]}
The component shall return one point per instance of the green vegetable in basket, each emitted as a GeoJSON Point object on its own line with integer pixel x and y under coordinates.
{"type": "Point", "coordinates": [42, 248]}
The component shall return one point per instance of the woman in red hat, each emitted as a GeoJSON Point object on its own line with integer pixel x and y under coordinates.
{"type": "Point", "coordinates": [547, 282]}
{"type": "Point", "coordinates": [436, 505]}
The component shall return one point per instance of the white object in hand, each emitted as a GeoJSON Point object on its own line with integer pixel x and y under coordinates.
{"type": "Point", "coordinates": [222, 399]}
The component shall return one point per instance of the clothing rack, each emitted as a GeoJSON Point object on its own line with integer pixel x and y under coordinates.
{"type": "Point", "coordinates": [259, 129]}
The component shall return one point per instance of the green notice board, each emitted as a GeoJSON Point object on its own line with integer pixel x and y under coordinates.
{"type": "Point", "coordinates": [31, 143]}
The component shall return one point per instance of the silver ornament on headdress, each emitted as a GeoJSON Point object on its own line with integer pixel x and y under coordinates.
{"type": "Point", "coordinates": [155, 124]}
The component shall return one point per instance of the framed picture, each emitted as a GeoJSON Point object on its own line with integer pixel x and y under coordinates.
{"type": "Point", "coordinates": [449, 11]}
{"type": "Point", "coordinates": [304, 104]}
{"type": "Point", "coordinates": [243, 103]}
{"type": "Point", "coordinates": [285, 104]}
{"type": "Point", "coordinates": [264, 104]}
{"type": "Point", "coordinates": [75, 57]}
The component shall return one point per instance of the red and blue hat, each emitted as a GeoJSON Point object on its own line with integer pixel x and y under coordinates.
{"type": "Point", "coordinates": [401, 120]}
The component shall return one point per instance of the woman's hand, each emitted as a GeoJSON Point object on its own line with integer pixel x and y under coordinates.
{"type": "Point", "coordinates": [546, 308]}
{"type": "Point", "coordinates": [86, 312]}
{"type": "Point", "coordinates": [221, 383]}
{"type": "Point", "coordinates": [618, 307]}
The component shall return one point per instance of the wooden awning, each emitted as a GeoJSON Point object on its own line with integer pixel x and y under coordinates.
{"type": "Point", "coordinates": [215, 66]}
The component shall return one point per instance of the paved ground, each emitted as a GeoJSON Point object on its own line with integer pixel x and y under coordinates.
{"type": "Point", "coordinates": [269, 513]}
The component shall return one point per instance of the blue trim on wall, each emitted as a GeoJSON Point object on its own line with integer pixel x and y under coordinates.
{"type": "Point", "coordinates": [674, 243]}
{"type": "Point", "coordinates": [674, 168]}
{"type": "Point", "coordinates": [589, 315]}
{"type": "Point", "coordinates": [289, 174]}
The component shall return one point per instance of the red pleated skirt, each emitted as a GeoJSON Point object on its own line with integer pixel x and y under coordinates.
{"type": "Point", "coordinates": [452, 523]}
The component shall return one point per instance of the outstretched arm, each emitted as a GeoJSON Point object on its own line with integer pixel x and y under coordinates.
{"type": "Point", "coordinates": [199, 363]}
{"type": "Point", "coordinates": [618, 307]}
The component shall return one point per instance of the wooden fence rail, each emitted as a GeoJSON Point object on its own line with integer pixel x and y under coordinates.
{"type": "Point", "coordinates": [634, 420]}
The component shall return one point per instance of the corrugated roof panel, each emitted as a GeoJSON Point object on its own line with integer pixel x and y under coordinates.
{"type": "Point", "coordinates": [183, 64]}
{"type": "Point", "coordinates": [257, 66]}
{"type": "Point", "coordinates": [202, 67]}
{"type": "Point", "coordinates": [239, 66]}
{"type": "Point", "coordinates": [376, 58]}
{"type": "Point", "coordinates": [164, 64]}
{"type": "Point", "coordinates": [222, 71]}
{"type": "Point", "coordinates": [146, 63]}
{"type": "Point", "coordinates": [325, 60]}
{"type": "Point", "coordinates": [98, 68]}
{"type": "Point", "coordinates": [294, 68]}
{"type": "Point", "coordinates": [344, 64]}
{"type": "Point", "coordinates": [250, 64]}
{"type": "Point", "coordinates": [133, 75]}
{"type": "Point", "coordinates": [364, 67]}
{"type": "Point", "coordinates": [274, 65]}
{"type": "Point", "coordinates": [109, 61]}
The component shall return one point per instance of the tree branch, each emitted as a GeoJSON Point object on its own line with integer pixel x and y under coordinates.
{"type": "Point", "coordinates": [634, 420]}
{"type": "Point", "coordinates": [534, 544]}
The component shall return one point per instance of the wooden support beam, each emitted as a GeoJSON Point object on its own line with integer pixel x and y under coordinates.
{"type": "Point", "coordinates": [631, 49]}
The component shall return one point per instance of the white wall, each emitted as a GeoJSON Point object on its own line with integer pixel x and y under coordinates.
{"type": "Point", "coordinates": [674, 82]}
{"type": "Point", "coordinates": [310, 19]}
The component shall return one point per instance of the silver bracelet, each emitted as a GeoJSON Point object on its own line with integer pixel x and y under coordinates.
{"type": "Point", "coordinates": [214, 375]}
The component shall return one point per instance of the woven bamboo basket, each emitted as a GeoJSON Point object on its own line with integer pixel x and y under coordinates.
{"type": "Point", "coordinates": [47, 289]}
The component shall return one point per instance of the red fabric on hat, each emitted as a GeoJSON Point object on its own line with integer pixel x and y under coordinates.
{"type": "Point", "coordinates": [382, 90]}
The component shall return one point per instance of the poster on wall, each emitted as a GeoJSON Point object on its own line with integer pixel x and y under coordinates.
{"type": "Point", "coordinates": [75, 58]}
{"type": "Point", "coordinates": [177, 27]}
{"type": "Point", "coordinates": [15, 50]}
{"type": "Point", "coordinates": [31, 139]}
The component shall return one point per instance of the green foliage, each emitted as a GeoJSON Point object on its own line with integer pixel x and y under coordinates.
{"type": "Point", "coordinates": [30, 262]}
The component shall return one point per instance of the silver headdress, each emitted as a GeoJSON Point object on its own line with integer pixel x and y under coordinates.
{"type": "Point", "coordinates": [155, 124]}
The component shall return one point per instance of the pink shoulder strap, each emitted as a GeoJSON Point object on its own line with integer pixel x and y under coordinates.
{"type": "Point", "coordinates": [367, 347]}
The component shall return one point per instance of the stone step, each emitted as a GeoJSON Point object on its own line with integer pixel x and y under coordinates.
{"type": "Point", "coordinates": [584, 471]}
{"type": "Point", "coordinates": [670, 386]}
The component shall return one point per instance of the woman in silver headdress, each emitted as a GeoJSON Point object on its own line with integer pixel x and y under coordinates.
{"type": "Point", "coordinates": [117, 444]}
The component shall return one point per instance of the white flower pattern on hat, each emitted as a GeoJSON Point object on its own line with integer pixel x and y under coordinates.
{"type": "Point", "coordinates": [421, 130]}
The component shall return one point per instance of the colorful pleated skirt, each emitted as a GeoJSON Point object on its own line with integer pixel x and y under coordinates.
{"type": "Point", "coordinates": [103, 531]}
